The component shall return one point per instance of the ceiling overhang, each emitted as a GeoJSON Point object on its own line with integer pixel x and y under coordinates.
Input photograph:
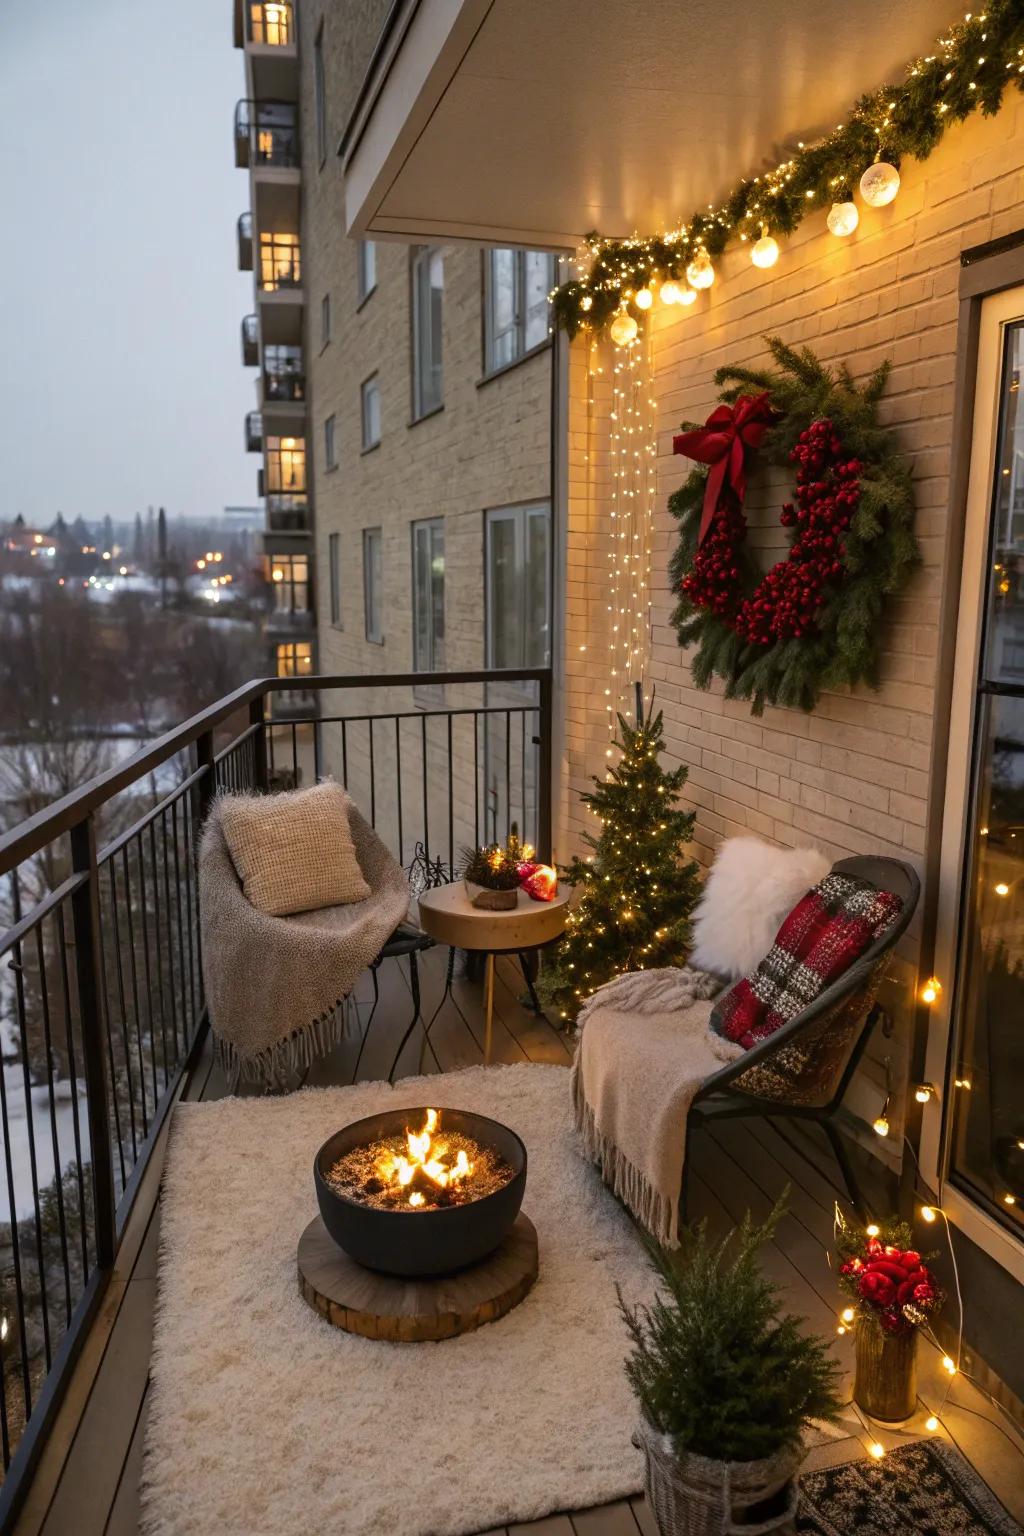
{"type": "Point", "coordinates": [531, 122]}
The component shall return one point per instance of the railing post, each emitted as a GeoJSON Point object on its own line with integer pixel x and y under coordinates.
{"type": "Point", "coordinates": [207, 786]}
{"type": "Point", "coordinates": [544, 766]}
{"type": "Point", "coordinates": [85, 917]}
{"type": "Point", "coordinates": [258, 718]}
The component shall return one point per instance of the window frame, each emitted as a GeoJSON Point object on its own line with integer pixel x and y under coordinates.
{"type": "Point", "coordinates": [330, 443]}
{"type": "Point", "coordinates": [428, 526]}
{"type": "Point", "coordinates": [520, 515]}
{"type": "Point", "coordinates": [369, 443]}
{"type": "Point", "coordinates": [320, 95]}
{"type": "Point", "coordinates": [364, 287]}
{"type": "Point", "coordinates": [420, 260]}
{"type": "Point", "coordinates": [325, 320]}
{"type": "Point", "coordinates": [275, 244]}
{"type": "Point", "coordinates": [372, 602]}
{"type": "Point", "coordinates": [518, 329]}
{"type": "Point", "coordinates": [334, 578]}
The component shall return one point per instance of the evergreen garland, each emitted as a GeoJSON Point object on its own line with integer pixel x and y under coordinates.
{"type": "Point", "coordinates": [637, 893]}
{"type": "Point", "coordinates": [715, 1366]}
{"type": "Point", "coordinates": [972, 66]}
{"type": "Point", "coordinates": [879, 547]}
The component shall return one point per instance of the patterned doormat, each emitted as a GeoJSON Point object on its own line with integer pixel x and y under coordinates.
{"type": "Point", "coordinates": [924, 1489]}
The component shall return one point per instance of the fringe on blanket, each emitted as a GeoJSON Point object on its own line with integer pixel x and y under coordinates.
{"type": "Point", "coordinates": [655, 1214]}
{"type": "Point", "coordinates": [282, 1063]}
{"type": "Point", "coordinates": [656, 991]}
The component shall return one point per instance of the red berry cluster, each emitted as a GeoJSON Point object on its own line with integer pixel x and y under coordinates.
{"type": "Point", "coordinates": [714, 580]}
{"type": "Point", "coordinates": [787, 602]}
{"type": "Point", "coordinates": [895, 1285]}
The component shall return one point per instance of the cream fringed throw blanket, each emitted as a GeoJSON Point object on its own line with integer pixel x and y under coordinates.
{"type": "Point", "coordinates": [276, 986]}
{"type": "Point", "coordinates": [644, 1049]}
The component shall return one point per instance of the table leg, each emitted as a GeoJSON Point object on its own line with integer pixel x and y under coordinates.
{"type": "Point", "coordinates": [489, 1004]}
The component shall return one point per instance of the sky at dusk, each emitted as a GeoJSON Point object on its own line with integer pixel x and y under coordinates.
{"type": "Point", "coordinates": [122, 382]}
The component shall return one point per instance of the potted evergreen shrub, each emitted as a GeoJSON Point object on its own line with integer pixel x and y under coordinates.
{"type": "Point", "coordinates": [726, 1385]}
{"type": "Point", "coordinates": [491, 877]}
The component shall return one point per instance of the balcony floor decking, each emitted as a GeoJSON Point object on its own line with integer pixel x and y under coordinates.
{"type": "Point", "coordinates": [87, 1481]}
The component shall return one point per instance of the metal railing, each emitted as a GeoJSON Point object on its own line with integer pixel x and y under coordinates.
{"type": "Point", "coordinates": [283, 384]}
{"type": "Point", "coordinates": [101, 980]}
{"type": "Point", "coordinates": [254, 432]}
{"type": "Point", "coordinates": [266, 133]}
{"type": "Point", "coordinates": [250, 340]}
{"type": "Point", "coordinates": [245, 242]}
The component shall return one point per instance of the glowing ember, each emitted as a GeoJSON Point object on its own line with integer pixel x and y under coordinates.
{"type": "Point", "coordinates": [425, 1170]}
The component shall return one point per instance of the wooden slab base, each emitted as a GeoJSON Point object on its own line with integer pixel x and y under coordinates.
{"type": "Point", "coordinates": [414, 1311]}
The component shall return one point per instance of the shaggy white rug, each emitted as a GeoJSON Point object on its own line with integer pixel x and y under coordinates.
{"type": "Point", "coordinates": [265, 1420]}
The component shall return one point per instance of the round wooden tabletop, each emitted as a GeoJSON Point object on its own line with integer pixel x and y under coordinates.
{"type": "Point", "coordinates": [378, 1306]}
{"type": "Point", "coordinates": [447, 914]}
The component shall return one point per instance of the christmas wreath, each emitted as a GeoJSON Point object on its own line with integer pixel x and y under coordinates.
{"type": "Point", "coordinates": [812, 621]}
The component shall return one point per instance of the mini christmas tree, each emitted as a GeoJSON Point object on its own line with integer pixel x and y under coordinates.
{"type": "Point", "coordinates": [638, 890]}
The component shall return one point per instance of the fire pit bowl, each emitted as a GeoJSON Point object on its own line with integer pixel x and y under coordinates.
{"type": "Point", "coordinates": [420, 1242]}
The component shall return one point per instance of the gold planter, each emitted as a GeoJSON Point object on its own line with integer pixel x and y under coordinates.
{"type": "Point", "coordinates": [885, 1384]}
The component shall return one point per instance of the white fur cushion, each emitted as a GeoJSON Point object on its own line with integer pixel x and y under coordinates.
{"type": "Point", "coordinates": [751, 888]}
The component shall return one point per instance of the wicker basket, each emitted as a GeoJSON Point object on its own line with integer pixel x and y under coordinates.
{"type": "Point", "coordinates": [694, 1496]}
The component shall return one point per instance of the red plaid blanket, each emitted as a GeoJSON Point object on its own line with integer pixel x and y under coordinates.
{"type": "Point", "coordinates": [825, 933]}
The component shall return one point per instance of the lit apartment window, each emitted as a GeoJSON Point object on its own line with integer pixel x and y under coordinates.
{"type": "Point", "coordinates": [272, 131]}
{"type": "Point", "coordinates": [334, 572]}
{"type": "Point", "coordinates": [518, 586]}
{"type": "Point", "coordinates": [320, 94]}
{"type": "Point", "coordinates": [428, 595]}
{"type": "Point", "coordinates": [295, 658]}
{"type": "Point", "coordinates": [370, 410]}
{"type": "Point", "coordinates": [280, 264]}
{"type": "Point", "coordinates": [289, 577]}
{"type": "Point", "coordinates": [325, 319]}
{"type": "Point", "coordinates": [330, 462]}
{"type": "Point", "coordinates": [367, 268]}
{"type": "Point", "coordinates": [271, 22]}
{"type": "Point", "coordinates": [427, 290]}
{"type": "Point", "coordinates": [516, 288]}
{"type": "Point", "coordinates": [372, 582]}
{"type": "Point", "coordinates": [285, 464]}
{"type": "Point", "coordinates": [283, 374]}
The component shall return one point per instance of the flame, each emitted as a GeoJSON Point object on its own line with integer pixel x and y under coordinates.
{"type": "Point", "coordinates": [428, 1158]}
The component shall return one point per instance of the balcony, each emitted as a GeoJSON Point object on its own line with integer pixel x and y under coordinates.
{"type": "Point", "coordinates": [269, 35]}
{"type": "Point", "coordinates": [284, 384]}
{"type": "Point", "coordinates": [254, 432]}
{"type": "Point", "coordinates": [266, 136]}
{"type": "Point", "coordinates": [250, 341]}
{"type": "Point", "coordinates": [287, 514]}
{"type": "Point", "coordinates": [245, 242]}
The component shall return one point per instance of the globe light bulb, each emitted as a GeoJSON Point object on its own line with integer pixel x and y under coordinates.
{"type": "Point", "coordinates": [881, 1126]}
{"type": "Point", "coordinates": [687, 296]}
{"type": "Point", "coordinates": [670, 292]}
{"type": "Point", "coordinates": [700, 273]}
{"type": "Point", "coordinates": [765, 253]}
{"type": "Point", "coordinates": [623, 328]}
{"type": "Point", "coordinates": [843, 218]}
{"type": "Point", "coordinates": [923, 1093]}
{"type": "Point", "coordinates": [643, 298]}
{"type": "Point", "coordinates": [879, 184]}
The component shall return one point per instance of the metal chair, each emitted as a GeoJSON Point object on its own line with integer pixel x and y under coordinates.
{"type": "Point", "coordinates": [803, 1071]}
{"type": "Point", "coordinates": [405, 941]}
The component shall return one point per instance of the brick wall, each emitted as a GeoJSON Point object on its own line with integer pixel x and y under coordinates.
{"type": "Point", "coordinates": [852, 777]}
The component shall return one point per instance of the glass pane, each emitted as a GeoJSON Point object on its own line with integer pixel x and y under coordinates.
{"type": "Point", "coordinates": [504, 627]}
{"type": "Point", "coordinates": [437, 597]}
{"type": "Point", "coordinates": [538, 581]}
{"type": "Point", "coordinates": [503, 308]}
{"type": "Point", "coordinates": [538, 284]}
{"type": "Point", "coordinates": [421, 597]}
{"type": "Point", "coordinates": [1004, 658]}
{"type": "Point", "coordinates": [367, 267]}
{"type": "Point", "coordinates": [428, 299]}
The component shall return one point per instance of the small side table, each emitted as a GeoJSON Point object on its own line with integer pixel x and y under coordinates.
{"type": "Point", "coordinates": [448, 915]}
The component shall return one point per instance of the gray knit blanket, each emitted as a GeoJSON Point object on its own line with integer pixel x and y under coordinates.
{"type": "Point", "coordinates": [276, 986]}
{"type": "Point", "coordinates": [643, 1050]}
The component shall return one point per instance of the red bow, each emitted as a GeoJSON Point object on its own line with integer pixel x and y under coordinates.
{"type": "Point", "coordinates": [722, 442]}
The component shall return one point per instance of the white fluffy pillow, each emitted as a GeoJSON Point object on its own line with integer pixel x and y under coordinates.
{"type": "Point", "coordinates": [751, 888]}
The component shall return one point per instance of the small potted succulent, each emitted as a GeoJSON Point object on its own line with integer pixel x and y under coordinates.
{"type": "Point", "coordinates": [892, 1295]}
{"type": "Point", "coordinates": [491, 877]}
{"type": "Point", "coordinates": [726, 1385]}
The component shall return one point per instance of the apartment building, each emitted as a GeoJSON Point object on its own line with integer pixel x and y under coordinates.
{"type": "Point", "coordinates": [268, 146]}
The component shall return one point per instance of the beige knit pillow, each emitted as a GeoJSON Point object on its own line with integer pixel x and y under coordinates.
{"type": "Point", "coordinates": [294, 852]}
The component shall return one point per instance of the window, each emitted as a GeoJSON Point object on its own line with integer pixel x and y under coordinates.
{"type": "Point", "coordinates": [319, 90]}
{"type": "Point", "coordinates": [330, 462]}
{"type": "Point", "coordinates": [283, 374]}
{"type": "Point", "coordinates": [270, 22]}
{"type": "Point", "coordinates": [289, 579]}
{"type": "Point", "coordinates": [280, 263]}
{"type": "Point", "coordinates": [428, 595]}
{"type": "Point", "coordinates": [518, 586]}
{"type": "Point", "coordinates": [295, 658]}
{"type": "Point", "coordinates": [372, 578]}
{"type": "Point", "coordinates": [367, 268]}
{"type": "Point", "coordinates": [516, 288]}
{"type": "Point", "coordinates": [427, 289]}
{"type": "Point", "coordinates": [370, 411]}
{"type": "Point", "coordinates": [286, 465]}
{"type": "Point", "coordinates": [325, 319]}
{"type": "Point", "coordinates": [334, 572]}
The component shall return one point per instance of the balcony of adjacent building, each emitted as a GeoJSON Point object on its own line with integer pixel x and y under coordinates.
{"type": "Point", "coordinates": [245, 242]}
{"type": "Point", "coordinates": [254, 432]}
{"type": "Point", "coordinates": [291, 595]}
{"type": "Point", "coordinates": [267, 30]}
{"type": "Point", "coordinates": [279, 284]}
{"type": "Point", "coordinates": [250, 341]}
{"type": "Point", "coordinates": [282, 389]}
{"type": "Point", "coordinates": [267, 138]}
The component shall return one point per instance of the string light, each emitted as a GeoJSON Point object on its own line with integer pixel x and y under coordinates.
{"type": "Point", "coordinates": [700, 273]}
{"type": "Point", "coordinates": [931, 1423]}
{"type": "Point", "coordinates": [643, 298]}
{"type": "Point", "coordinates": [1002, 889]}
{"type": "Point", "coordinates": [928, 1213]}
{"type": "Point", "coordinates": [872, 1230]}
{"type": "Point", "coordinates": [624, 327]}
{"type": "Point", "coordinates": [931, 989]}
{"type": "Point", "coordinates": [670, 292]}
{"type": "Point", "coordinates": [924, 1093]}
{"type": "Point", "coordinates": [765, 252]}
{"type": "Point", "coordinates": [948, 1365]}
{"type": "Point", "coordinates": [877, 1450]}
{"type": "Point", "coordinates": [880, 184]}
